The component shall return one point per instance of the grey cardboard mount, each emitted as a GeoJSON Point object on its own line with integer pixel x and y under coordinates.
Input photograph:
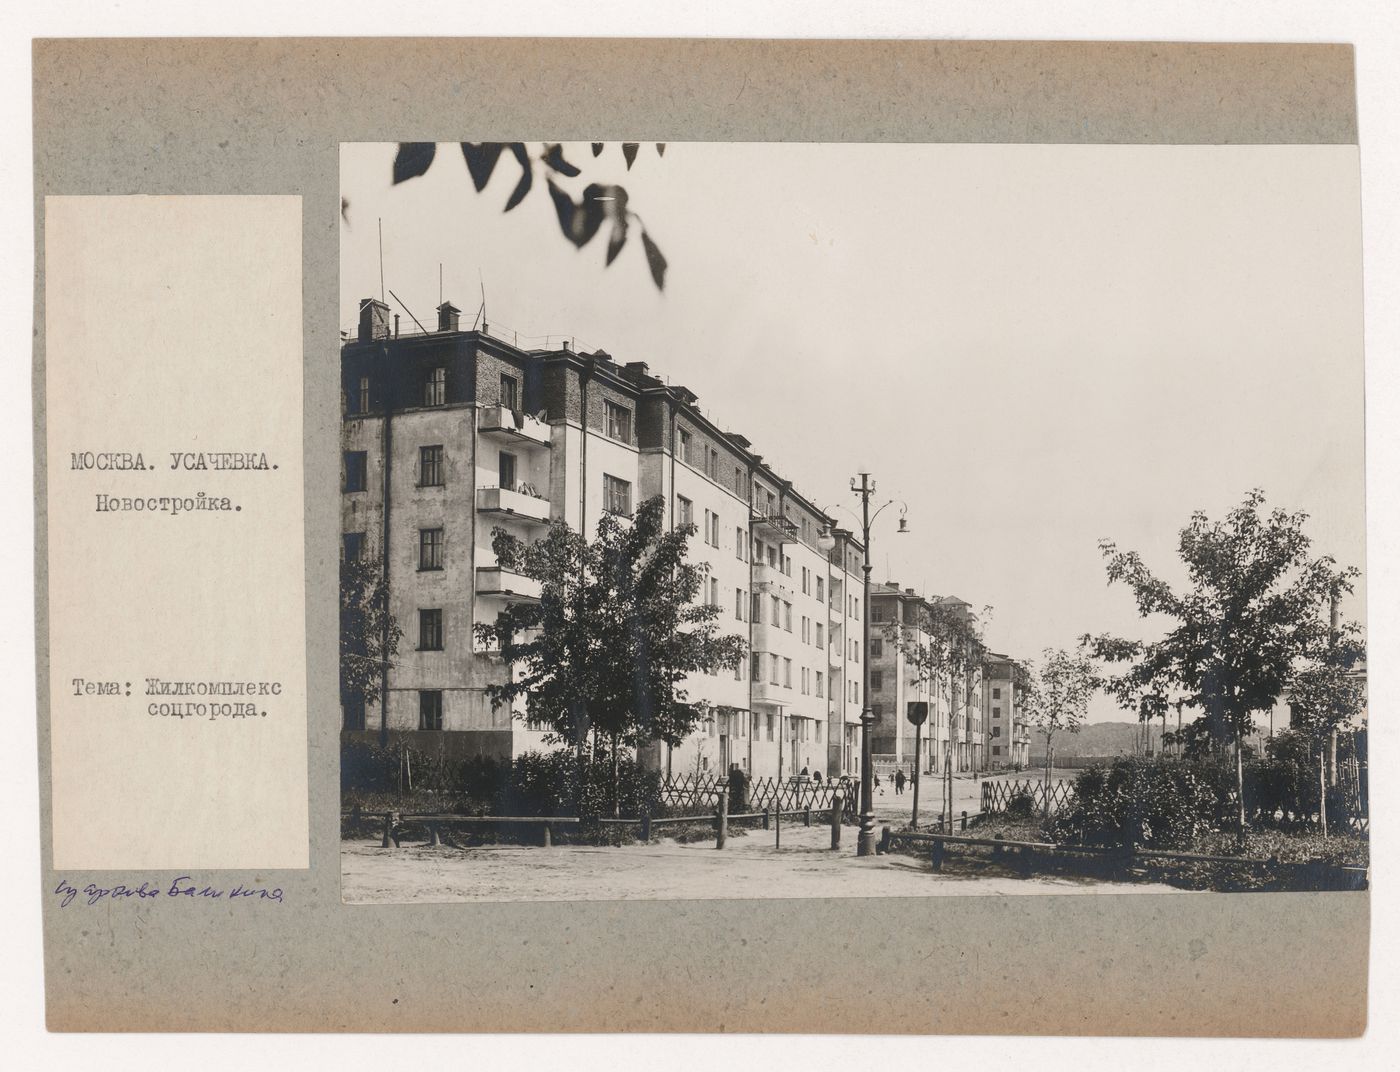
{"type": "Point", "coordinates": [267, 116]}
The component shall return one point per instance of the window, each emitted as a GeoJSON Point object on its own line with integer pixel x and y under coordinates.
{"type": "Point", "coordinates": [362, 401]}
{"type": "Point", "coordinates": [510, 392]}
{"type": "Point", "coordinates": [714, 592]}
{"type": "Point", "coordinates": [820, 684]}
{"type": "Point", "coordinates": [787, 616]}
{"type": "Point", "coordinates": [770, 725]}
{"type": "Point", "coordinates": [996, 749]}
{"type": "Point", "coordinates": [819, 732]}
{"type": "Point", "coordinates": [996, 731]}
{"type": "Point", "coordinates": [739, 544]}
{"type": "Point", "coordinates": [356, 464]}
{"type": "Point", "coordinates": [739, 602]}
{"type": "Point", "coordinates": [856, 614]}
{"type": "Point", "coordinates": [787, 566]}
{"type": "Point", "coordinates": [430, 709]}
{"type": "Point", "coordinates": [712, 470]}
{"type": "Point", "coordinates": [806, 629]}
{"type": "Point", "coordinates": [877, 681]}
{"type": "Point", "coordinates": [683, 448]}
{"type": "Point", "coordinates": [430, 467]}
{"type": "Point", "coordinates": [820, 641]}
{"type": "Point", "coordinates": [714, 531]}
{"type": "Point", "coordinates": [430, 630]}
{"type": "Point", "coordinates": [777, 618]}
{"type": "Point", "coordinates": [855, 691]}
{"type": "Point", "coordinates": [821, 595]}
{"type": "Point", "coordinates": [773, 677]}
{"type": "Point", "coordinates": [877, 648]}
{"type": "Point", "coordinates": [996, 694]}
{"type": "Point", "coordinates": [435, 390]}
{"type": "Point", "coordinates": [756, 611]}
{"type": "Point", "coordinates": [430, 549]}
{"type": "Point", "coordinates": [855, 651]}
{"type": "Point", "coordinates": [619, 423]}
{"type": "Point", "coordinates": [787, 673]}
{"type": "Point", "coordinates": [739, 669]}
{"type": "Point", "coordinates": [806, 582]}
{"type": "Point", "coordinates": [505, 468]}
{"type": "Point", "coordinates": [877, 709]}
{"type": "Point", "coordinates": [877, 614]}
{"type": "Point", "coordinates": [738, 482]}
{"type": "Point", "coordinates": [685, 511]}
{"type": "Point", "coordinates": [756, 668]}
{"type": "Point", "coordinates": [996, 712]}
{"type": "Point", "coordinates": [353, 545]}
{"type": "Point", "coordinates": [353, 713]}
{"type": "Point", "coordinates": [772, 555]}
{"type": "Point", "coordinates": [617, 495]}
{"type": "Point", "coordinates": [709, 529]}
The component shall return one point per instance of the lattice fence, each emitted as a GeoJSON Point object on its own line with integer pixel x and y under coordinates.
{"type": "Point", "coordinates": [997, 795]}
{"type": "Point", "coordinates": [698, 794]}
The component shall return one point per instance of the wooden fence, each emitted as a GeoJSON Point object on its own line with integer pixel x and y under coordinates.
{"type": "Point", "coordinates": [697, 793]}
{"type": "Point", "coordinates": [998, 795]}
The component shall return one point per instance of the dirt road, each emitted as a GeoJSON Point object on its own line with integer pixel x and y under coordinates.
{"type": "Point", "coordinates": [749, 867]}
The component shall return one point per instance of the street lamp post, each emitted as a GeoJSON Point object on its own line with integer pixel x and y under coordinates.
{"type": "Point", "coordinates": [865, 840]}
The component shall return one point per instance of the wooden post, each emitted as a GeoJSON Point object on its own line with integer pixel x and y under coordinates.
{"type": "Point", "coordinates": [548, 841]}
{"type": "Point", "coordinates": [807, 815]}
{"type": "Point", "coordinates": [388, 828]}
{"type": "Point", "coordinates": [884, 845]}
{"type": "Point", "coordinates": [938, 851]}
{"type": "Point", "coordinates": [434, 838]}
{"type": "Point", "coordinates": [962, 825]}
{"type": "Point", "coordinates": [723, 819]}
{"type": "Point", "coordinates": [836, 805]}
{"type": "Point", "coordinates": [765, 818]}
{"type": "Point", "coordinates": [646, 827]}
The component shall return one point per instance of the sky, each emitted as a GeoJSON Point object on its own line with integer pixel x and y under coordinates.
{"type": "Point", "coordinates": [1032, 347]}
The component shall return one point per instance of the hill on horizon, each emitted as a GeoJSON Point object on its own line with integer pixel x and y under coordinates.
{"type": "Point", "coordinates": [1097, 739]}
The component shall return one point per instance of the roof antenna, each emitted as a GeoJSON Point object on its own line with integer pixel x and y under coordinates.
{"type": "Point", "coordinates": [480, 313]}
{"type": "Point", "coordinates": [409, 312]}
{"type": "Point", "coordinates": [381, 261]}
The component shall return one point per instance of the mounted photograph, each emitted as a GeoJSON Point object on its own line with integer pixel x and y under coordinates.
{"type": "Point", "coordinates": [796, 520]}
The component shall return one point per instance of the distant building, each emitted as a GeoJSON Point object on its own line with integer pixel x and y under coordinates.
{"type": "Point", "coordinates": [1008, 732]}
{"type": "Point", "coordinates": [956, 725]}
{"type": "Point", "coordinates": [448, 434]}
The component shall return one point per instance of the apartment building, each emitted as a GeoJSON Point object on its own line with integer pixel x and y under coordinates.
{"type": "Point", "coordinates": [956, 725]}
{"type": "Point", "coordinates": [1008, 733]}
{"type": "Point", "coordinates": [452, 433]}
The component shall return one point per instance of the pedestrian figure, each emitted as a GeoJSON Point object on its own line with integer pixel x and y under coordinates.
{"type": "Point", "coordinates": [817, 777]}
{"type": "Point", "coordinates": [738, 789]}
{"type": "Point", "coordinates": [899, 781]}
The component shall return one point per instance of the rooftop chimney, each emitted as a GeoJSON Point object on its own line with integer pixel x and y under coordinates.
{"type": "Point", "coordinates": [374, 319]}
{"type": "Point", "coordinates": [449, 316]}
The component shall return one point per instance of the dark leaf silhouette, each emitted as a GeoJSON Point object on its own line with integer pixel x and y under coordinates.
{"type": "Point", "coordinates": [413, 159]}
{"type": "Point", "coordinates": [617, 210]}
{"type": "Point", "coordinates": [527, 177]}
{"type": "Point", "coordinates": [481, 161]}
{"type": "Point", "coordinates": [345, 210]}
{"type": "Point", "coordinates": [629, 153]}
{"type": "Point", "coordinates": [656, 260]}
{"type": "Point", "coordinates": [579, 222]}
{"type": "Point", "coordinates": [597, 148]}
{"type": "Point", "coordinates": [554, 157]}
{"type": "Point", "coordinates": [661, 148]}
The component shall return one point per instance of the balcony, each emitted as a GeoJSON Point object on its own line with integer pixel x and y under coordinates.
{"type": "Point", "coordinates": [494, 581]}
{"type": "Point", "coordinates": [773, 529]}
{"type": "Point", "coordinates": [512, 504]}
{"type": "Point", "coordinates": [765, 692]}
{"type": "Point", "coordinates": [766, 576]}
{"type": "Point", "coordinates": [506, 426]}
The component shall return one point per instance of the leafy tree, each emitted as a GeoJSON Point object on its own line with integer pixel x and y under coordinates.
{"type": "Point", "coordinates": [1057, 698]}
{"type": "Point", "coordinates": [605, 652]}
{"type": "Point", "coordinates": [369, 633]}
{"type": "Point", "coordinates": [1249, 615]}
{"type": "Point", "coordinates": [579, 221]}
{"type": "Point", "coordinates": [1325, 694]}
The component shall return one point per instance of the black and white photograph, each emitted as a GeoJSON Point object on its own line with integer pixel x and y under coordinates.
{"type": "Point", "coordinates": [793, 520]}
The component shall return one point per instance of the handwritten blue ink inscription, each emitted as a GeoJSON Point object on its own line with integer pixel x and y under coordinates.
{"type": "Point", "coordinates": [180, 887]}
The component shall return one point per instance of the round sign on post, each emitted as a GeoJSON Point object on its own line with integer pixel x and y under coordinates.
{"type": "Point", "coordinates": [918, 712]}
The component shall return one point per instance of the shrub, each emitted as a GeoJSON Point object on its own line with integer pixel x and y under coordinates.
{"type": "Point", "coordinates": [1161, 804]}
{"type": "Point", "coordinates": [1021, 805]}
